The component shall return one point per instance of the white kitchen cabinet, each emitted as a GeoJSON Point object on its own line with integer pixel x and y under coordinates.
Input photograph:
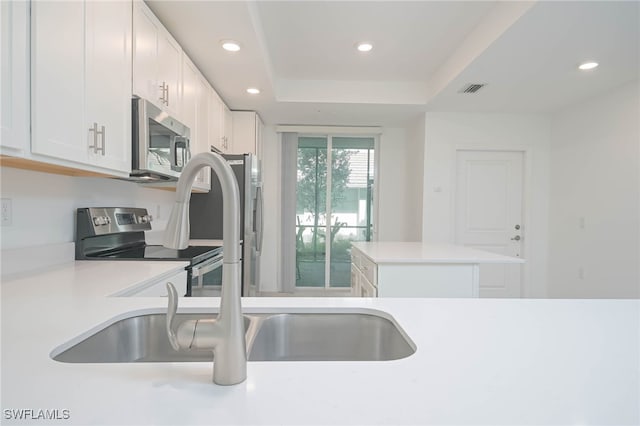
{"type": "Point", "coordinates": [216, 120]}
{"type": "Point", "coordinates": [367, 289]}
{"type": "Point", "coordinates": [247, 133]}
{"type": "Point", "coordinates": [81, 83]}
{"type": "Point", "coordinates": [227, 129]}
{"type": "Point", "coordinates": [399, 278]}
{"type": "Point", "coordinates": [194, 113]}
{"type": "Point", "coordinates": [362, 275]}
{"type": "Point", "coordinates": [157, 60]}
{"type": "Point", "coordinates": [414, 269]}
{"type": "Point", "coordinates": [189, 93]}
{"type": "Point", "coordinates": [14, 86]}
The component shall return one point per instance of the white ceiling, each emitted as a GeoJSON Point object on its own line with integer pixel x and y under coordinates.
{"type": "Point", "coordinates": [301, 55]}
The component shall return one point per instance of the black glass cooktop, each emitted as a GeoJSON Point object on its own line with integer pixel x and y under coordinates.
{"type": "Point", "coordinates": [193, 254]}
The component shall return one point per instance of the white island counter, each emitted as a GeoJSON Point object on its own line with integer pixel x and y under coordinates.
{"type": "Point", "coordinates": [414, 269]}
{"type": "Point", "coordinates": [498, 362]}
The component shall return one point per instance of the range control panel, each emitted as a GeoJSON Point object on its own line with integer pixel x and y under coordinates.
{"type": "Point", "coordinates": [111, 220]}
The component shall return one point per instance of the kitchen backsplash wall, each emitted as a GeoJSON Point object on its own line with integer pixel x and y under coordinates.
{"type": "Point", "coordinates": [43, 205]}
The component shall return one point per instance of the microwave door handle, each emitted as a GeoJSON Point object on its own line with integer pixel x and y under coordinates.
{"type": "Point", "coordinates": [174, 153]}
{"type": "Point", "coordinates": [182, 143]}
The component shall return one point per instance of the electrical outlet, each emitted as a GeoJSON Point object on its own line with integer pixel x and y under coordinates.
{"type": "Point", "coordinates": [6, 212]}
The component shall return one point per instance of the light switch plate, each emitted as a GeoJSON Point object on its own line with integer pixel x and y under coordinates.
{"type": "Point", "coordinates": [6, 212]}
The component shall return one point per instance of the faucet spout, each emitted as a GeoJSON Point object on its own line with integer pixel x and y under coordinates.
{"type": "Point", "coordinates": [224, 335]}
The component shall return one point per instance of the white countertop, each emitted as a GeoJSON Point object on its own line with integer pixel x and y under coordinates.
{"type": "Point", "coordinates": [415, 252]}
{"type": "Point", "coordinates": [477, 361]}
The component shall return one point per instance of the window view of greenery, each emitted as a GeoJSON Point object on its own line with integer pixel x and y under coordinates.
{"type": "Point", "coordinates": [350, 219]}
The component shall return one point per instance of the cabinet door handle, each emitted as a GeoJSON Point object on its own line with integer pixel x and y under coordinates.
{"type": "Point", "coordinates": [165, 93]}
{"type": "Point", "coordinates": [94, 129]}
{"type": "Point", "coordinates": [104, 141]}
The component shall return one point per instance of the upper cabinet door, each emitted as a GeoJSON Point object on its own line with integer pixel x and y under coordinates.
{"type": "Point", "coordinates": [216, 123]}
{"type": "Point", "coordinates": [14, 86]}
{"type": "Point", "coordinates": [145, 55]}
{"type": "Point", "coordinates": [191, 103]}
{"type": "Point", "coordinates": [169, 72]}
{"type": "Point", "coordinates": [57, 80]}
{"type": "Point", "coordinates": [228, 128]}
{"type": "Point", "coordinates": [157, 61]}
{"type": "Point", "coordinates": [81, 94]}
{"type": "Point", "coordinates": [108, 82]}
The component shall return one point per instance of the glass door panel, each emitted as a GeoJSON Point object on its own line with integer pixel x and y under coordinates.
{"type": "Point", "coordinates": [311, 215]}
{"type": "Point", "coordinates": [351, 201]}
{"type": "Point", "coordinates": [334, 207]}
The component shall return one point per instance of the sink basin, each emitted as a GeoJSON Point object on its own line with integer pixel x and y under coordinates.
{"type": "Point", "coordinates": [276, 336]}
{"type": "Point", "coordinates": [141, 338]}
{"type": "Point", "coordinates": [329, 337]}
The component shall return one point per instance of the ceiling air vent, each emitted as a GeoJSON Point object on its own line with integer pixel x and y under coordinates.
{"type": "Point", "coordinates": [471, 87]}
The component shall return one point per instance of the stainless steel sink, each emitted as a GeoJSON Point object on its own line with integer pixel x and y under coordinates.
{"type": "Point", "coordinates": [329, 337]}
{"type": "Point", "coordinates": [299, 336]}
{"type": "Point", "coordinates": [141, 338]}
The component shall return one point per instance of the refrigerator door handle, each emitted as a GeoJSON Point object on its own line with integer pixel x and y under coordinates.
{"type": "Point", "coordinates": [259, 217]}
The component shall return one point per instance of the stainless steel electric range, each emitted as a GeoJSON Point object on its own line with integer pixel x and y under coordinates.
{"type": "Point", "coordinates": [117, 233]}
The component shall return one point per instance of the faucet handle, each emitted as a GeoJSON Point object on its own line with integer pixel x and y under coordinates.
{"type": "Point", "coordinates": [171, 314]}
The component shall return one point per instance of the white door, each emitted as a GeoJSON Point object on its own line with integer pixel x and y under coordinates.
{"type": "Point", "coordinates": [489, 214]}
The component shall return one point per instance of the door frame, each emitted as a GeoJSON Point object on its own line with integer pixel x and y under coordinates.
{"type": "Point", "coordinates": [527, 192]}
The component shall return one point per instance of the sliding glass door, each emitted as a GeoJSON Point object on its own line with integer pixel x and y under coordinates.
{"type": "Point", "coordinates": [334, 194]}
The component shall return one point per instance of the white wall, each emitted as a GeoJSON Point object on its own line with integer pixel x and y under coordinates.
{"type": "Point", "coordinates": [399, 185]}
{"type": "Point", "coordinates": [415, 176]}
{"type": "Point", "coordinates": [44, 204]}
{"type": "Point", "coordinates": [270, 256]}
{"type": "Point", "coordinates": [594, 246]}
{"type": "Point", "coordinates": [446, 132]}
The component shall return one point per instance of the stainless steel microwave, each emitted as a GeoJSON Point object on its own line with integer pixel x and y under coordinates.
{"type": "Point", "coordinates": [160, 144]}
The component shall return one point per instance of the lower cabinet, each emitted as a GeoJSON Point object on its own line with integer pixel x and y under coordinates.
{"type": "Point", "coordinates": [409, 279]}
{"type": "Point", "coordinates": [361, 273]}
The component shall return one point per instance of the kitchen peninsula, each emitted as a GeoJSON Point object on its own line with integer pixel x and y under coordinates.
{"type": "Point", "coordinates": [415, 269]}
{"type": "Point", "coordinates": [478, 361]}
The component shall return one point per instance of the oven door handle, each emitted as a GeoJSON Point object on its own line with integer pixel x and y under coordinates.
{"type": "Point", "coordinates": [207, 266]}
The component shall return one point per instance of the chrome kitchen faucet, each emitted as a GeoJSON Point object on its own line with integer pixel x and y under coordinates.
{"type": "Point", "coordinates": [224, 335]}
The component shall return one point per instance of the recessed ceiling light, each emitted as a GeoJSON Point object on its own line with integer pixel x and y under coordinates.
{"type": "Point", "coordinates": [588, 66]}
{"type": "Point", "coordinates": [364, 47]}
{"type": "Point", "coordinates": [230, 45]}
{"type": "Point", "coordinates": [253, 90]}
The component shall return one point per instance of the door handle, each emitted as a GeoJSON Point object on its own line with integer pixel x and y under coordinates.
{"type": "Point", "coordinates": [516, 238]}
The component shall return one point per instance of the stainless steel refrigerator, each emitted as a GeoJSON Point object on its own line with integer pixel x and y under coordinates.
{"type": "Point", "coordinates": [205, 215]}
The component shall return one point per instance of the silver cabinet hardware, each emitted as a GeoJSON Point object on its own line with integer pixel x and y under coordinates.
{"type": "Point", "coordinates": [102, 136]}
{"type": "Point", "coordinates": [164, 98]}
{"type": "Point", "coordinates": [96, 147]}
{"type": "Point", "coordinates": [516, 238]}
{"type": "Point", "coordinates": [517, 227]}
{"type": "Point", "coordinates": [95, 132]}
